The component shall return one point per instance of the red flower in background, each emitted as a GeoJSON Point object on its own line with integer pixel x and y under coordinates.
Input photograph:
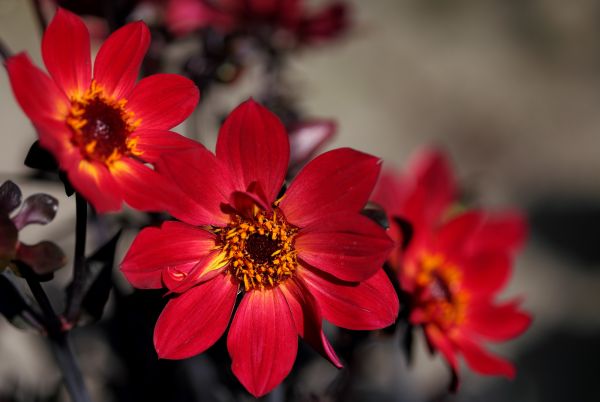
{"type": "Point", "coordinates": [298, 259]}
{"type": "Point", "coordinates": [103, 128]}
{"type": "Point", "coordinates": [455, 264]}
{"type": "Point", "coordinates": [184, 16]}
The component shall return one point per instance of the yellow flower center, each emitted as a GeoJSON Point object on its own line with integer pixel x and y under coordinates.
{"type": "Point", "coordinates": [101, 125]}
{"type": "Point", "coordinates": [445, 303]}
{"type": "Point", "coordinates": [260, 249]}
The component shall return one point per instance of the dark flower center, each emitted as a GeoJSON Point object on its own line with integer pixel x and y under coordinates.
{"type": "Point", "coordinates": [101, 126]}
{"type": "Point", "coordinates": [260, 248]}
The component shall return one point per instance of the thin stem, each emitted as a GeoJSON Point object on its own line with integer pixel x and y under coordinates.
{"type": "Point", "coordinates": [58, 340]}
{"type": "Point", "coordinates": [79, 268]}
{"type": "Point", "coordinates": [39, 14]}
{"type": "Point", "coordinates": [5, 53]}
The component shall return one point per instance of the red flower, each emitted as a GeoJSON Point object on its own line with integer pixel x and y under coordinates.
{"type": "Point", "coordinates": [102, 129]}
{"type": "Point", "coordinates": [299, 258]}
{"type": "Point", "coordinates": [455, 265]}
{"type": "Point", "coordinates": [184, 16]}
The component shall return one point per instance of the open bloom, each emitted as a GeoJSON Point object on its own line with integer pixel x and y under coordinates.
{"type": "Point", "coordinates": [44, 257]}
{"type": "Point", "coordinates": [455, 264]}
{"type": "Point", "coordinates": [297, 259]}
{"type": "Point", "coordinates": [103, 129]}
{"type": "Point", "coordinates": [184, 16]}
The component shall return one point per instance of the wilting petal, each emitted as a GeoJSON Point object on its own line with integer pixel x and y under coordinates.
{"type": "Point", "coordinates": [497, 323]}
{"type": "Point", "coordinates": [194, 321]}
{"type": "Point", "coordinates": [118, 61]}
{"type": "Point", "coordinates": [37, 208]}
{"type": "Point", "coordinates": [9, 237]}
{"type": "Point", "coordinates": [307, 138]}
{"type": "Point", "coordinates": [172, 245]}
{"type": "Point", "coordinates": [368, 305]}
{"type": "Point", "coordinates": [503, 232]}
{"type": "Point", "coordinates": [255, 146]}
{"type": "Point", "coordinates": [43, 258]}
{"type": "Point", "coordinates": [162, 101]}
{"type": "Point", "coordinates": [95, 183]}
{"type": "Point", "coordinates": [336, 181]}
{"type": "Point", "coordinates": [262, 341]}
{"type": "Point", "coordinates": [307, 317]}
{"type": "Point", "coordinates": [486, 272]}
{"type": "Point", "coordinates": [484, 362]}
{"type": "Point", "coordinates": [204, 179]}
{"type": "Point", "coordinates": [350, 247]}
{"type": "Point", "coordinates": [28, 82]}
{"type": "Point", "coordinates": [154, 144]}
{"type": "Point", "coordinates": [66, 53]}
{"type": "Point", "coordinates": [10, 197]}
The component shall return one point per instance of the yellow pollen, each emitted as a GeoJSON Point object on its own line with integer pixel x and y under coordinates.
{"type": "Point", "coordinates": [101, 126]}
{"type": "Point", "coordinates": [260, 249]}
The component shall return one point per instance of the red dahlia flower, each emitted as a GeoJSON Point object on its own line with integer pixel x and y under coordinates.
{"type": "Point", "coordinates": [455, 265]}
{"type": "Point", "coordinates": [103, 129]}
{"type": "Point", "coordinates": [299, 258]}
{"type": "Point", "coordinates": [184, 16]}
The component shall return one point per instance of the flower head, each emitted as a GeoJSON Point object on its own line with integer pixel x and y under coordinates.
{"type": "Point", "coordinates": [258, 16]}
{"type": "Point", "coordinates": [454, 265]}
{"type": "Point", "coordinates": [43, 258]}
{"type": "Point", "coordinates": [297, 258]}
{"type": "Point", "coordinates": [103, 128]}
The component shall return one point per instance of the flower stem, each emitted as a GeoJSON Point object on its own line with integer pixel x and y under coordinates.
{"type": "Point", "coordinates": [58, 340]}
{"type": "Point", "coordinates": [5, 53]}
{"type": "Point", "coordinates": [79, 268]}
{"type": "Point", "coordinates": [39, 14]}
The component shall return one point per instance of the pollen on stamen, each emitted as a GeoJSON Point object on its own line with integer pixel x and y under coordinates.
{"type": "Point", "coordinates": [101, 126]}
{"type": "Point", "coordinates": [260, 249]}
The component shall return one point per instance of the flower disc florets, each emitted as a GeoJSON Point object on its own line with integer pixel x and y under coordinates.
{"type": "Point", "coordinates": [101, 125]}
{"type": "Point", "coordinates": [260, 249]}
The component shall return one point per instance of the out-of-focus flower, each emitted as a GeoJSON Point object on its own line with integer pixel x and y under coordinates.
{"type": "Point", "coordinates": [299, 258]}
{"type": "Point", "coordinates": [104, 129]}
{"type": "Point", "coordinates": [43, 258]}
{"type": "Point", "coordinates": [306, 138]}
{"type": "Point", "coordinates": [258, 16]}
{"type": "Point", "coordinates": [455, 264]}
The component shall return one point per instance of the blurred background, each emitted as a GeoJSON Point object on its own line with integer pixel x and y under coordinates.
{"type": "Point", "coordinates": [510, 88]}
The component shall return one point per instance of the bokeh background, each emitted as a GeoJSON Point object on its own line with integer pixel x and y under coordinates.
{"type": "Point", "coordinates": [510, 88]}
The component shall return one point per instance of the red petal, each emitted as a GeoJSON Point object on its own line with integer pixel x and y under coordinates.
{"type": "Point", "coordinates": [336, 181]}
{"type": "Point", "coordinates": [118, 61]}
{"type": "Point", "coordinates": [505, 232]}
{"type": "Point", "coordinates": [154, 144]}
{"type": "Point", "coordinates": [147, 190]}
{"type": "Point", "coordinates": [350, 247]}
{"type": "Point", "coordinates": [439, 341]}
{"type": "Point", "coordinates": [262, 341]}
{"type": "Point", "coordinates": [195, 320]}
{"type": "Point", "coordinates": [368, 305]}
{"type": "Point", "coordinates": [66, 53]}
{"type": "Point", "coordinates": [37, 94]}
{"type": "Point", "coordinates": [254, 144]}
{"type": "Point", "coordinates": [307, 317]}
{"type": "Point", "coordinates": [97, 186]}
{"type": "Point", "coordinates": [390, 192]}
{"type": "Point", "coordinates": [204, 178]}
{"type": "Point", "coordinates": [453, 237]}
{"type": "Point", "coordinates": [162, 101]}
{"type": "Point", "coordinates": [484, 362]}
{"type": "Point", "coordinates": [486, 272]}
{"type": "Point", "coordinates": [171, 245]}
{"type": "Point", "coordinates": [498, 323]}
{"type": "Point", "coordinates": [181, 278]}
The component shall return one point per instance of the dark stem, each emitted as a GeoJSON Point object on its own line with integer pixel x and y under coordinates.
{"type": "Point", "coordinates": [5, 53]}
{"type": "Point", "coordinates": [79, 267]}
{"type": "Point", "coordinates": [58, 340]}
{"type": "Point", "coordinates": [39, 14]}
